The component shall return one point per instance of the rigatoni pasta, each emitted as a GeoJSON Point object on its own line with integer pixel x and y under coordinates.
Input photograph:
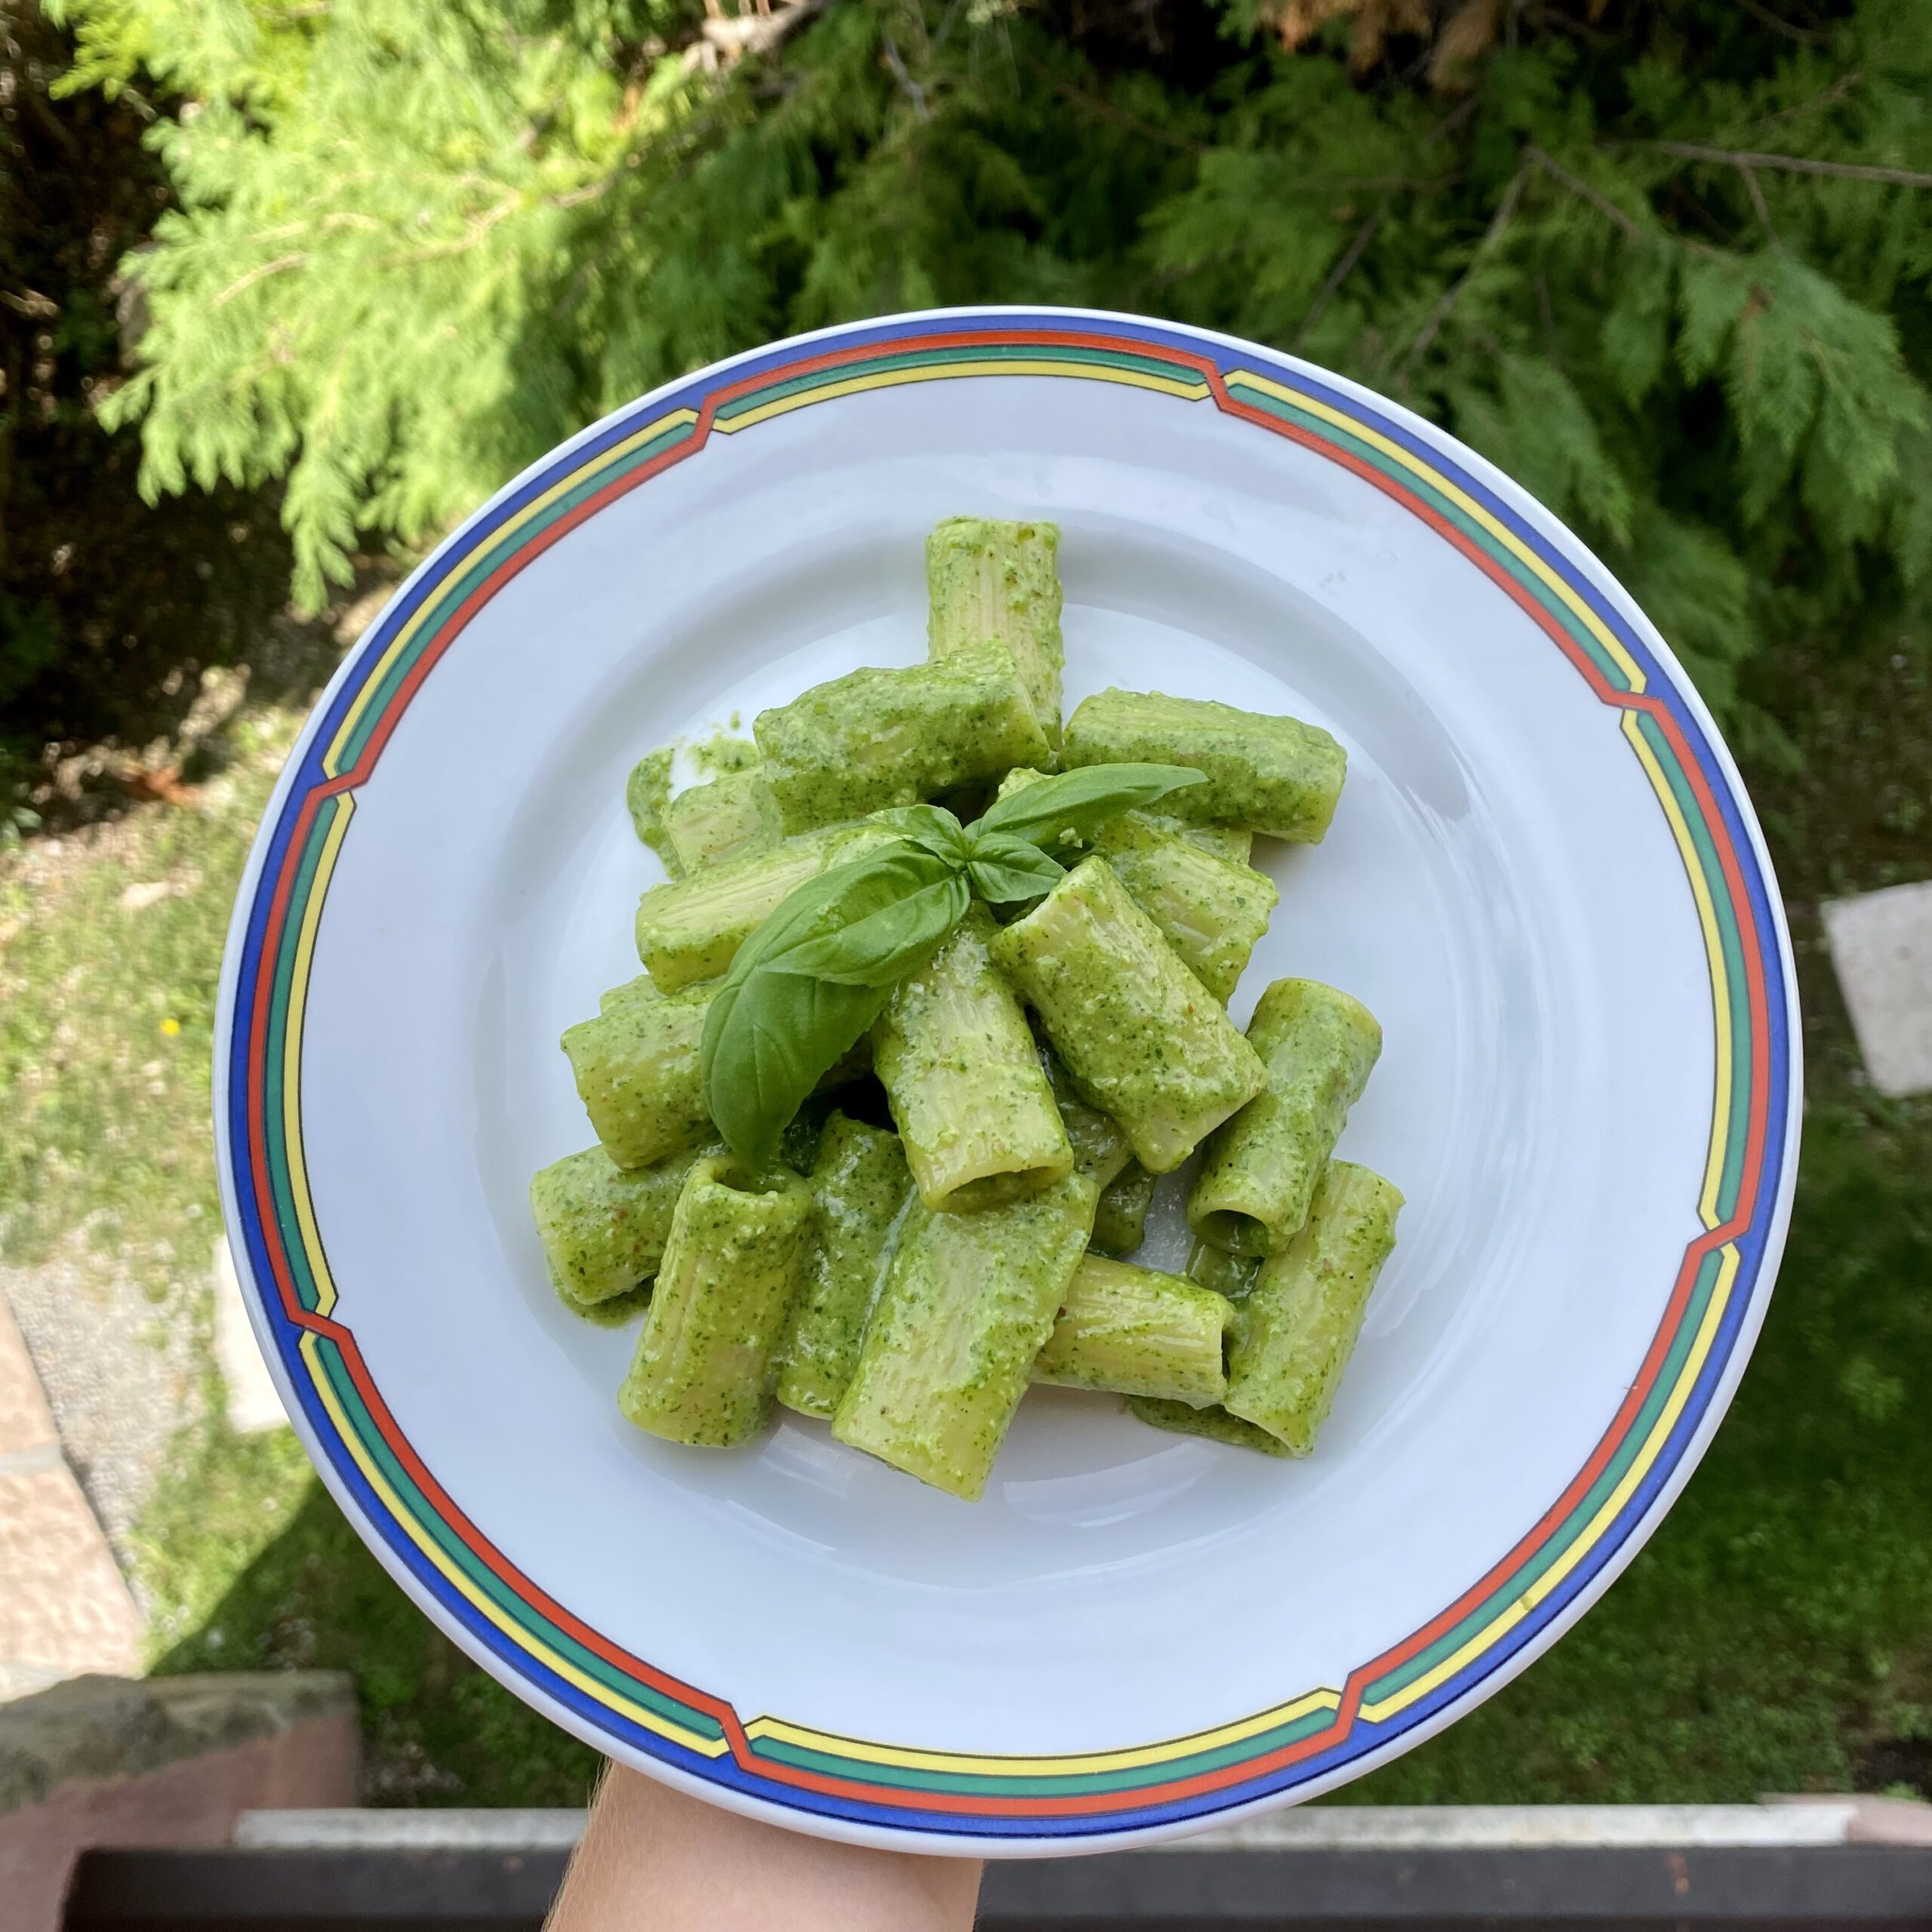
{"type": "Point", "coordinates": [1259, 1173]}
{"type": "Point", "coordinates": [604, 1227]}
{"type": "Point", "coordinates": [1136, 1331]}
{"type": "Point", "coordinates": [1140, 1037]}
{"type": "Point", "coordinates": [873, 739]}
{"type": "Point", "coordinates": [861, 1185]}
{"type": "Point", "coordinates": [1275, 775]}
{"type": "Point", "coordinates": [1026, 1013]}
{"type": "Point", "coordinates": [732, 1264]}
{"type": "Point", "coordinates": [972, 1102]}
{"type": "Point", "coordinates": [970, 1302]}
{"type": "Point", "coordinates": [637, 1070]}
{"type": "Point", "coordinates": [691, 929]}
{"type": "Point", "coordinates": [1300, 1320]}
{"type": "Point", "coordinates": [993, 584]}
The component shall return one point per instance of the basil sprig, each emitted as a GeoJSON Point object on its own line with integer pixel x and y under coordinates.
{"type": "Point", "coordinates": [805, 986]}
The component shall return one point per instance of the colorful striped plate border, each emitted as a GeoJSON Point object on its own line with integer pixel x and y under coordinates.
{"type": "Point", "coordinates": [867, 1787]}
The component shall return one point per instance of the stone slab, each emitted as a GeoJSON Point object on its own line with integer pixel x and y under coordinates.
{"type": "Point", "coordinates": [64, 1607]}
{"type": "Point", "coordinates": [27, 1423]}
{"type": "Point", "coordinates": [254, 1407]}
{"type": "Point", "coordinates": [1786, 1823]}
{"type": "Point", "coordinates": [102, 1762]}
{"type": "Point", "coordinates": [1882, 947]}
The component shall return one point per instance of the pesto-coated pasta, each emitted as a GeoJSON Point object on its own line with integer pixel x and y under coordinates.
{"type": "Point", "coordinates": [1229, 1274]}
{"type": "Point", "coordinates": [734, 816]}
{"type": "Point", "coordinates": [1259, 1173]}
{"type": "Point", "coordinates": [873, 739]}
{"type": "Point", "coordinates": [1139, 1035]}
{"type": "Point", "coordinates": [994, 584]}
{"type": "Point", "coordinates": [732, 1264]}
{"type": "Point", "coordinates": [1212, 1422]}
{"type": "Point", "coordinates": [1212, 913]}
{"type": "Point", "coordinates": [642, 987]}
{"type": "Point", "coordinates": [691, 929]}
{"type": "Point", "coordinates": [638, 1073]}
{"type": "Point", "coordinates": [1271, 774]}
{"type": "Point", "coordinates": [1234, 843]}
{"type": "Point", "coordinates": [603, 1227]}
{"type": "Point", "coordinates": [861, 1186]}
{"type": "Point", "coordinates": [646, 793]}
{"type": "Point", "coordinates": [1137, 1332]}
{"type": "Point", "coordinates": [1100, 1149]}
{"type": "Point", "coordinates": [957, 1059]}
{"type": "Point", "coordinates": [1299, 1324]}
{"type": "Point", "coordinates": [1120, 1222]}
{"type": "Point", "coordinates": [969, 1300]}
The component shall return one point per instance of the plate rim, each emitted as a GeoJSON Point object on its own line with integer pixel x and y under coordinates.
{"type": "Point", "coordinates": [1067, 1833]}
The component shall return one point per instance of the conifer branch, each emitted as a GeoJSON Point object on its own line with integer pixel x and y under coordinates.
{"type": "Point", "coordinates": [1440, 314]}
{"type": "Point", "coordinates": [1105, 110]}
{"type": "Point", "coordinates": [1577, 184]}
{"type": "Point", "coordinates": [260, 272]}
{"type": "Point", "coordinates": [1339, 273]}
{"type": "Point", "coordinates": [1792, 163]}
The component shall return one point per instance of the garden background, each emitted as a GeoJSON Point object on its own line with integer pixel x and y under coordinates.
{"type": "Point", "coordinates": [287, 285]}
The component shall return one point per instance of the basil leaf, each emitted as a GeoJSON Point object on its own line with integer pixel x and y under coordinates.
{"type": "Point", "coordinates": [881, 948]}
{"type": "Point", "coordinates": [766, 1051]}
{"type": "Point", "coordinates": [932, 827]}
{"type": "Point", "coordinates": [1076, 804]}
{"type": "Point", "coordinates": [1005, 867]}
{"type": "Point", "coordinates": [771, 1033]}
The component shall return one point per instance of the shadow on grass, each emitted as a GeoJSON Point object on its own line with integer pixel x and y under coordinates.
{"type": "Point", "coordinates": [436, 1729]}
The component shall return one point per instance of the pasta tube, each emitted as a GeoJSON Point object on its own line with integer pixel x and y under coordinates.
{"type": "Point", "coordinates": [1259, 1173]}
{"type": "Point", "coordinates": [1212, 913]}
{"type": "Point", "coordinates": [969, 1302]}
{"type": "Point", "coordinates": [604, 1229]}
{"type": "Point", "coordinates": [876, 738]}
{"type": "Point", "coordinates": [958, 1063]}
{"type": "Point", "coordinates": [691, 929]}
{"type": "Point", "coordinates": [1212, 1422]}
{"type": "Point", "coordinates": [1120, 1222]}
{"type": "Point", "coordinates": [1138, 1332]}
{"type": "Point", "coordinates": [1140, 1036]}
{"type": "Point", "coordinates": [1271, 774]}
{"type": "Point", "coordinates": [1234, 843]}
{"type": "Point", "coordinates": [1300, 1322]}
{"type": "Point", "coordinates": [859, 1189]}
{"type": "Point", "coordinates": [1229, 1274]}
{"type": "Point", "coordinates": [995, 584]}
{"type": "Point", "coordinates": [735, 816]}
{"type": "Point", "coordinates": [1100, 1151]}
{"type": "Point", "coordinates": [638, 1075]}
{"type": "Point", "coordinates": [733, 1261]}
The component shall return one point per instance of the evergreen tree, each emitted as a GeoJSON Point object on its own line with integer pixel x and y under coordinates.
{"type": "Point", "coordinates": [1666, 263]}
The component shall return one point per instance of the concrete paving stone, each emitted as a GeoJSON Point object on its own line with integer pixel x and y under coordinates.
{"type": "Point", "coordinates": [1882, 947]}
{"type": "Point", "coordinates": [63, 1605]}
{"type": "Point", "coordinates": [26, 1422]}
{"type": "Point", "coordinates": [253, 1404]}
{"type": "Point", "coordinates": [120, 1374]}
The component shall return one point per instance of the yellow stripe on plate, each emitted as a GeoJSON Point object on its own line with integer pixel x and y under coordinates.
{"type": "Point", "coordinates": [885, 379]}
{"type": "Point", "coordinates": [970, 1765]}
{"type": "Point", "coordinates": [400, 643]}
{"type": "Point", "coordinates": [1707, 919]}
{"type": "Point", "coordinates": [639, 1714]}
{"type": "Point", "coordinates": [1463, 500]}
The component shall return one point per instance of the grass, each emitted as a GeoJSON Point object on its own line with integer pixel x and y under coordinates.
{"type": "Point", "coordinates": [1775, 1635]}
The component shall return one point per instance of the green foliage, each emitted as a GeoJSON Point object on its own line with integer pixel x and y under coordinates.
{"type": "Point", "coordinates": [419, 243]}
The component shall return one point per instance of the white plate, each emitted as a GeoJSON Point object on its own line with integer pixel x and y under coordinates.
{"type": "Point", "coordinates": [1544, 878]}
